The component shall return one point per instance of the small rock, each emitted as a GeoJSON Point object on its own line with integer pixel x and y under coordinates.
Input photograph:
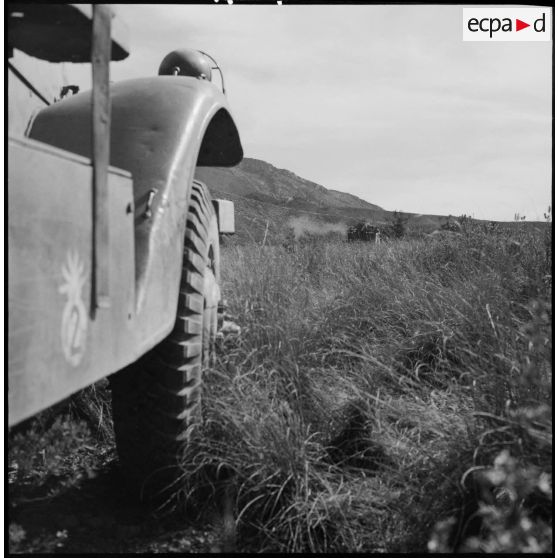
{"type": "Point", "coordinates": [230, 328]}
{"type": "Point", "coordinates": [185, 545]}
{"type": "Point", "coordinates": [17, 533]}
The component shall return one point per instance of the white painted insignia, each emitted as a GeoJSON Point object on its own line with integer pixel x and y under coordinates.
{"type": "Point", "coordinates": [74, 316]}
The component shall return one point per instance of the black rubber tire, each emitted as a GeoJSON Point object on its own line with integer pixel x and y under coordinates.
{"type": "Point", "coordinates": [156, 400]}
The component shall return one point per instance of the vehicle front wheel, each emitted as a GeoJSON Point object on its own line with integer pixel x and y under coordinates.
{"type": "Point", "coordinates": [156, 400]}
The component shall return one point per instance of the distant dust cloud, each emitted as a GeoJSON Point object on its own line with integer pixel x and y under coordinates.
{"type": "Point", "coordinates": [305, 225]}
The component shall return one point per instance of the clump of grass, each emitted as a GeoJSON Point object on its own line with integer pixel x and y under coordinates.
{"type": "Point", "coordinates": [93, 405]}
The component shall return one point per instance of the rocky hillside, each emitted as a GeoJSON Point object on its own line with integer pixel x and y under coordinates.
{"type": "Point", "coordinates": [279, 201]}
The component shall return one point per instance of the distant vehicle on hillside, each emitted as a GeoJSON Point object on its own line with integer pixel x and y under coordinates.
{"type": "Point", "coordinates": [362, 231]}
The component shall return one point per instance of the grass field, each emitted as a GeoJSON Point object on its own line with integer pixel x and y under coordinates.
{"type": "Point", "coordinates": [381, 398]}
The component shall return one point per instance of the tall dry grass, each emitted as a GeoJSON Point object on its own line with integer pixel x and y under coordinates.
{"type": "Point", "coordinates": [392, 397]}
{"type": "Point", "coordinates": [371, 391]}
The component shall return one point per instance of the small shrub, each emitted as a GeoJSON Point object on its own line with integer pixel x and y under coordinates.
{"type": "Point", "coordinates": [512, 513]}
{"type": "Point", "coordinates": [398, 225]}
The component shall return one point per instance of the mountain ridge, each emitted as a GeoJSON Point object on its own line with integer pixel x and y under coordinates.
{"type": "Point", "coordinates": [274, 202]}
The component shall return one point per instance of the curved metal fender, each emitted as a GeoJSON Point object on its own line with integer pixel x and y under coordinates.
{"type": "Point", "coordinates": [161, 129]}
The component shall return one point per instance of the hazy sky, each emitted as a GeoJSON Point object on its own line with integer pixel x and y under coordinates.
{"type": "Point", "coordinates": [385, 102]}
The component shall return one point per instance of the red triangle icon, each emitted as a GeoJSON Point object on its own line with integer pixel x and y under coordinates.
{"type": "Point", "coordinates": [519, 25]}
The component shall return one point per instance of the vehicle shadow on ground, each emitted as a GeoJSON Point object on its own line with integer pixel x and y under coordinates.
{"type": "Point", "coordinates": [94, 515]}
